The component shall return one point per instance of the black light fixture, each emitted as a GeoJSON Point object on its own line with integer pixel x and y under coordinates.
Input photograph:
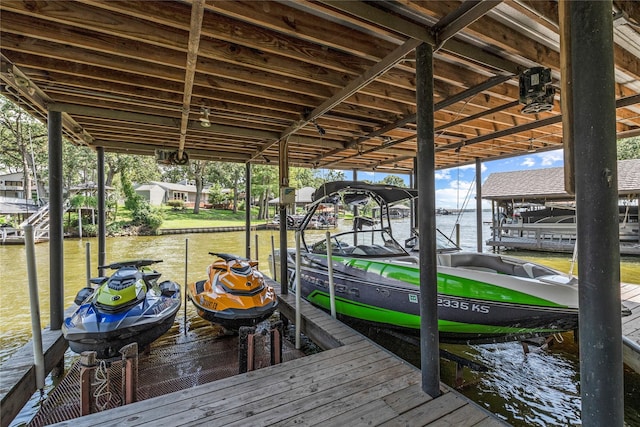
{"type": "Point", "coordinates": [536, 91]}
{"type": "Point", "coordinates": [319, 128]}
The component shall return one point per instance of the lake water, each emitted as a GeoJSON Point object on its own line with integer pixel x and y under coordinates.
{"type": "Point", "coordinates": [537, 389]}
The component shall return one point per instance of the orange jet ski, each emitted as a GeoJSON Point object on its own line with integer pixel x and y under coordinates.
{"type": "Point", "coordinates": [235, 293]}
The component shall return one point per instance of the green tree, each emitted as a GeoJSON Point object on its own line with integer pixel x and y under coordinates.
{"type": "Point", "coordinates": [197, 170]}
{"type": "Point", "coordinates": [78, 165]}
{"type": "Point", "coordinates": [303, 177]}
{"type": "Point", "coordinates": [264, 186]}
{"type": "Point", "coordinates": [393, 180]}
{"type": "Point", "coordinates": [332, 175]}
{"type": "Point", "coordinates": [174, 173]}
{"type": "Point", "coordinates": [140, 169]}
{"type": "Point", "coordinates": [629, 148]}
{"type": "Point", "coordinates": [228, 175]}
{"type": "Point", "coordinates": [23, 145]}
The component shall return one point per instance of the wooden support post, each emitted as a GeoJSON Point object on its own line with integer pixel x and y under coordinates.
{"type": "Point", "coordinates": [87, 372]}
{"type": "Point", "coordinates": [245, 349]}
{"type": "Point", "coordinates": [129, 373]}
{"type": "Point", "coordinates": [276, 343]}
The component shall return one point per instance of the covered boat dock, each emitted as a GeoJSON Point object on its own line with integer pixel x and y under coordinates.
{"type": "Point", "coordinates": [390, 86]}
{"type": "Point", "coordinates": [531, 209]}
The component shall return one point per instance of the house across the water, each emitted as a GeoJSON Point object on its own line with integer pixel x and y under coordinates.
{"type": "Point", "coordinates": [159, 193]}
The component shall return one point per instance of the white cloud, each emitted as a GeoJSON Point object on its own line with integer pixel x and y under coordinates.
{"type": "Point", "coordinates": [453, 196]}
{"type": "Point", "coordinates": [551, 157]}
{"type": "Point", "coordinates": [443, 174]}
{"type": "Point", "coordinates": [528, 162]}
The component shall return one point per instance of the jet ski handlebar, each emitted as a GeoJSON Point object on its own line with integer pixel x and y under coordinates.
{"type": "Point", "coordinates": [133, 263]}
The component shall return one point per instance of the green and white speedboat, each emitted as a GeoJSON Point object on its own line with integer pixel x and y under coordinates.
{"type": "Point", "coordinates": [481, 297]}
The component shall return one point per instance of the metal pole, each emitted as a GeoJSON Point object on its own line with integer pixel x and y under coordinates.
{"type": "Point", "coordinates": [332, 288]}
{"type": "Point", "coordinates": [429, 336]}
{"type": "Point", "coordinates": [80, 223]}
{"type": "Point", "coordinates": [186, 282]}
{"type": "Point", "coordinates": [88, 257]}
{"type": "Point", "coordinates": [493, 223]}
{"type": "Point", "coordinates": [412, 184]}
{"type": "Point", "coordinates": [284, 182]}
{"type": "Point", "coordinates": [596, 181]}
{"type": "Point", "coordinates": [479, 203]}
{"type": "Point", "coordinates": [273, 258]}
{"type": "Point", "coordinates": [247, 209]}
{"type": "Point", "coordinates": [102, 213]}
{"type": "Point", "coordinates": [298, 291]}
{"type": "Point", "coordinates": [414, 202]}
{"type": "Point", "coordinates": [36, 328]}
{"type": "Point", "coordinates": [56, 252]}
{"type": "Point", "coordinates": [256, 239]}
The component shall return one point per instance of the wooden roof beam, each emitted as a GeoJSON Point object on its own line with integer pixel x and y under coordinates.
{"type": "Point", "coordinates": [353, 87]}
{"type": "Point", "coordinates": [421, 32]}
{"type": "Point", "coordinates": [197, 13]}
{"type": "Point", "coordinates": [620, 103]}
{"type": "Point", "coordinates": [466, 14]}
{"type": "Point", "coordinates": [412, 117]}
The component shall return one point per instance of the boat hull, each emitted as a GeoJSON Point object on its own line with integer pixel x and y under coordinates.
{"type": "Point", "coordinates": [393, 302]}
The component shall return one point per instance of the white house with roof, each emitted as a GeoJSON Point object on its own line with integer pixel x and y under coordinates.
{"type": "Point", "coordinates": [158, 193]}
{"type": "Point", "coordinates": [12, 185]}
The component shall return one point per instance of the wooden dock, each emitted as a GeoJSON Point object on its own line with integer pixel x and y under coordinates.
{"type": "Point", "coordinates": [545, 238]}
{"type": "Point", "coordinates": [630, 295]}
{"type": "Point", "coordinates": [353, 381]}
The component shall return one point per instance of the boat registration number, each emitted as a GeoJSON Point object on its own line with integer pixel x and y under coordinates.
{"type": "Point", "coordinates": [462, 305]}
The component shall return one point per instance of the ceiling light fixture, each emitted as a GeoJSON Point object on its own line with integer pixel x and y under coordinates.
{"type": "Point", "coordinates": [204, 120]}
{"type": "Point", "coordinates": [531, 149]}
{"type": "Point", "coordinates": [319, 128]}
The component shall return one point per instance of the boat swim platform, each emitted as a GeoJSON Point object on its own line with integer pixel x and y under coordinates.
{"type": "Point", "coordinates": [352, 381]}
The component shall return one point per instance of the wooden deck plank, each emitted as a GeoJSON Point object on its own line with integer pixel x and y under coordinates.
{"type": "Point", "coordinates": [429, 412]}
{"type": "Point", "coordinates": [371, 413]}
{"type": "Point", "coordinates": [291, 391]}
{"type": "Point", "coordinates": [319, 413]}
{"type": "Point", "coordinates": [629, 291]}
{"type": "Point", "coordinates": [464, 416]}
{"type": "Point", "coordinates": [244, 383]}
{"type": "Point", "coordinates": [271, 410]}
{"type": "Point", "coordinates": [491, 422]}
{"type": "Point", "coordinates": [407, 398]}
{"type": "Point", "coordinates": [18, 373]}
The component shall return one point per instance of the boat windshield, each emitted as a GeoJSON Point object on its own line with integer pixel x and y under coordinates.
{"type": "Point", "coordinates": [366, 243]}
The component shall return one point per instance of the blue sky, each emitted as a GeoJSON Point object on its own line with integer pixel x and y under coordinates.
{"type": "Point", "coordinates": [455, 185]}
